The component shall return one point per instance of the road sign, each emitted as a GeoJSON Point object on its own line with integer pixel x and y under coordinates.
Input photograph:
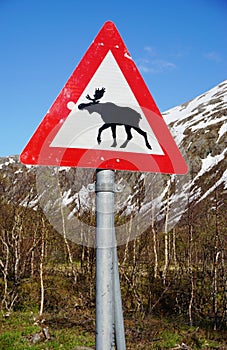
{"type": "Point", "coordinates": [105, 117]}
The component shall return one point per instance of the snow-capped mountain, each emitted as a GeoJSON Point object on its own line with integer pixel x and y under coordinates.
{"type": "Point", "coordinates": [199, 128]}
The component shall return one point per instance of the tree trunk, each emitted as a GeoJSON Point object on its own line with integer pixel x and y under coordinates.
{"type": "Point", "coordinates": [41, 268]}
{"type": "Point", "coordinates": [166, 232]}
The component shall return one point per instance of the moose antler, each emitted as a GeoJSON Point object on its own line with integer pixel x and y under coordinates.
{"type": "Point", "coordinates": [97, 95]}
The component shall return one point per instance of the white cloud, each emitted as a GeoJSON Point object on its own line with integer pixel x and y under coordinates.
{"type": "Point", "coordinates": [151, 50]}
{"type": "Point", "coordinates": [155, 66]}
{"type": "Point", "coordinates": [213, 56]}
{"type": "Point", "coordinates": [163, 65]}
{"type": "Point", "coordinates": [152, 63]}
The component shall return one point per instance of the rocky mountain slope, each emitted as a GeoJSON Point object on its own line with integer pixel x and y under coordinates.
{"type": "Point", "coordinates": [199, 127]}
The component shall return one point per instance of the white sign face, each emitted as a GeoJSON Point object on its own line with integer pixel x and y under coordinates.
{"type": "Point", "coordinates": [82, 126]}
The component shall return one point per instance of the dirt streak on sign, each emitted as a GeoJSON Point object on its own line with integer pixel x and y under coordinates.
{"type": "Point", "coordinates": [105, 117]}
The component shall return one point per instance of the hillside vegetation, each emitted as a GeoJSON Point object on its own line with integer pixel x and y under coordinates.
{"type": "Point", "coordinates": [172, 262]}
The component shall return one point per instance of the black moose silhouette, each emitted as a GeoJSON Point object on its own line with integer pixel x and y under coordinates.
{"type": "Point", "coordinates": [114, 115]}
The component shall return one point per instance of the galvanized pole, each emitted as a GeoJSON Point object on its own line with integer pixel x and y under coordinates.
{"type": "Point", "coordinates": [104, 258]}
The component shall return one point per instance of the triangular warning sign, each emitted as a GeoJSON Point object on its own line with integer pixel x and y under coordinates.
{"type": "Point", "coordinates": [105, 117]}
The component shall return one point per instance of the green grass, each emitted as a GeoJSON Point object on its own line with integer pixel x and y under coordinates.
{"type": "Point", "coordinates": [17, 340]}
{"type": "Point", "coordinates": [169, 340]}
{"type": "Point", "coordinates": [62, 340]}
{"type": "Point", "coordinates": [16, 333]}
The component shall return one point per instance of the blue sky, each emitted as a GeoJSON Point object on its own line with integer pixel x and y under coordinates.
{"type": "Point", "coordinates": [179, 47]}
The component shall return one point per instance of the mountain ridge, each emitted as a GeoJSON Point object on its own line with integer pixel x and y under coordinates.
{"type": "Point", "coordinates": [199, 128]}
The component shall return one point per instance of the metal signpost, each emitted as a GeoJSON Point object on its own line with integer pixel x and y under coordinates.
{"type": "Point", "coordinates": [109, 317]}
{"type": "Point", "coordinates": [68, 136]}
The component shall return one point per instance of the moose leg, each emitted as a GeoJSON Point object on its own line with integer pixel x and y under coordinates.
{"type": "Point", "coordinates": [144, 134]}
{"type": "Point", "coordinates": [105, 126]}
{"type": "Point", "coordinates": [113, 128]}
{"type": "Point", "coordinates": [129, 136]}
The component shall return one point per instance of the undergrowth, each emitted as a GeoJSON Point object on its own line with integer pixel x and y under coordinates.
{"type": "Point", "coordinates": [23, 330]}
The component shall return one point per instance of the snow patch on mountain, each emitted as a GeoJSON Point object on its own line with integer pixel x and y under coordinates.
{"type": "Point", "coordinates": [199, 128]}
{"type": "Point", "coordinates": [204, 103]}
{"type": "Point", "coordinates": [210, 162]}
